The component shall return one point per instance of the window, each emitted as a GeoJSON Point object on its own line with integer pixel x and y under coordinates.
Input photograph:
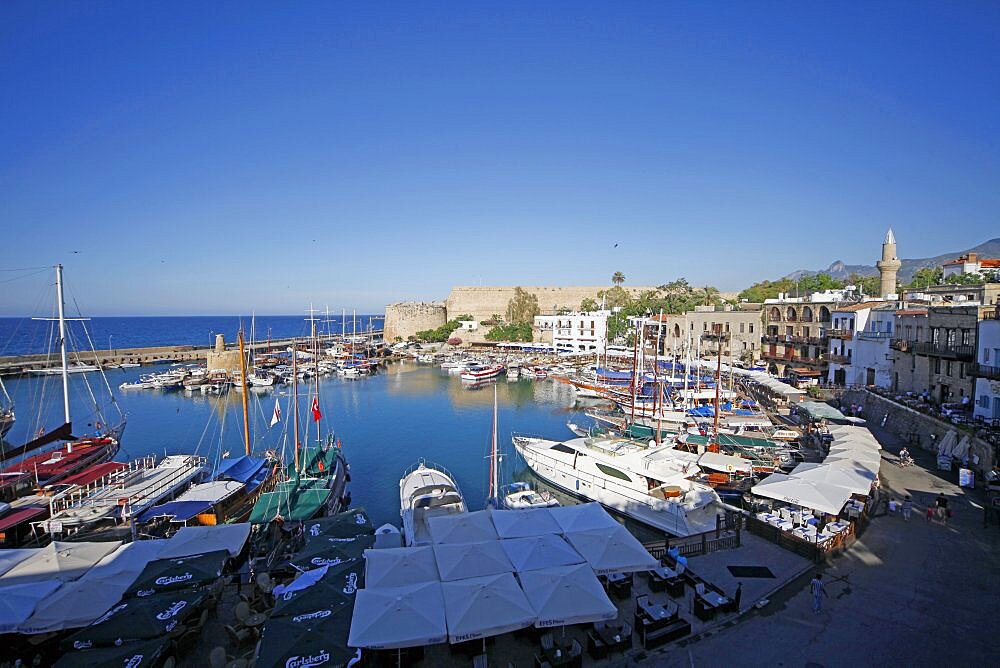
{"type": "Point", "coordinates": [751, 328]}
{"type": "Point", "coordinates": [937, 365]}
{"type": "Point", "coordinates": [613, 472]}
{"type": "Point", "coordinates": [742, 327]}
{"type": "Point", "coordinates": [559, 447]}
{"type": "Point", "coordinates": [920, 333]}
{"type": "Point", "coordinates": [961, 370]}
{"type": "Point", "coordinates": [966, 337]}
{"type": "Point", "coordinates": [986, 354]}
{"type": "Point", "coordinates": [935, 335]}
{"type": "Point", "coordinates": [947, 368]}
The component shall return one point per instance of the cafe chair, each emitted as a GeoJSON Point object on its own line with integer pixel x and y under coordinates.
{"type": "Point", "coordinates": [240, 637]}
{"type": "Point", "coordinates": [548, 642]}
{"type": "Point", "coordinates": [700, 588]}
{"type": "Point", "coordinates": [247, 617]}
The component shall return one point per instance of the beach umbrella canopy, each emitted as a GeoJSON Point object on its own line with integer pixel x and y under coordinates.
{"type": "Point", "coordinates": [395, 566]}
{"type": "Point", "coordinates": [485, 606]}
{"type": "Point", "coordinates": [534, 552]}
{"type": "Point", "coordinates": [858, 481]}
{"type": "Point", "coordinates": [948, 443]}
{"type": "Point", "coordinates": [12, 557]}
{"type": "Point", "coordinates": [396, 617]}
{"type": "Point", "coordinates": [126, 655]}
{"type": "Point", "coordinates": [139, 619]}
{"type": "Point", "coordinates": [80, 602]}
{"type": "Point", "coordinates": [327, 550]}
{"type": "Point", "coordinates": [200, 539]}
{"type": "Point", "coordinates": [860, 453]}
{"type": "Point", "coordinates": [350, 523]}
{"type": "Point", "coordinates": [165, 575]}
{"type": "Point", "coordinates": [58, 561]}
{"type": "Point", "coordinates": [820, 496]}
{"type": "Point", "coordinates": [462, 527]}
{"type": "Point", "coordinates": [524, 522]}
{"type": "Point", "coordinates": [311, 638]}
{"type": "Point", "coordinates": [328, 587]}
{"type": "Point", "coordinates": [456, 561]}
{"type": "Point", "coordinates": [962, 449]}
{"type": "Point", "coordinates": [845, 460]}
{"type": "Point", "coordinates": [583, 517]}
{"type": "Point", "coordinates": [859, 439]}
{"type": "Point", "coordinates": [565, 595]}
{"type": "Point", "coordinates": [18, 601]}
{"type": "Point", "coordinates": [612, 550]}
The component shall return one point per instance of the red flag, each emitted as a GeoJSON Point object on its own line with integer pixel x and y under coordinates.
{"type": "Point", "coordinates": [321, 467]}
{"type": "Point", "coordinates": [315, 409]}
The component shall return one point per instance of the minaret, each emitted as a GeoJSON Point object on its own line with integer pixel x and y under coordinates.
{"type": "Point", "coordinates": [888, 265]}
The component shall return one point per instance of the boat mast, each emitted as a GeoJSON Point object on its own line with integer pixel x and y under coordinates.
{"type": "Point", "coordinates": [62, 342]}
{"type": "Point", "coordinates": [494, 465]}
{"type": "Point", "coordinates": [243, 386]}
{"type": "Point", "coordinates": [295, 403]}
{"type": "Point", "coordinates": [319, 436]}
{"type": "Point", "coordinates": [718, 378]}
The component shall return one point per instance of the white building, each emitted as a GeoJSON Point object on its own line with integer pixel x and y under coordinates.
{"type": "Point", "coordinates": [858, 352]}
{"type": "Point", "coordinates": [580, 332]}
{"type": "Point", "coordinates": [987, 371]}
{"type": "Point", "coordinates": [970, 264]}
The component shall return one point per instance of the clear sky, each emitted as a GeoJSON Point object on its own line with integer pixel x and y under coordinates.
{"type": "Point", "coordinates": [192, 157]}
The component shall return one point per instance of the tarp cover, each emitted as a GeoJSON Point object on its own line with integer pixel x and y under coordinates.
{"type": "Point", "coordinates": [612, 550]}
{"type": "Point", "coordinates": [727, 463]}
{"type": "Point", "coordinates": [240, 469]}
{"type": "Point", "coordinates": [565, 595]}
{"type": "Point", "coordinates": [485, 606]}
{"type": "Point", "coordinates": [820, 496]}
{"type": "Point", "coordinates": [393, 617]}
{"type": "Point", "coordinates": [195, 540]}
{"type": "Point", "coordinates": [178, 511]}
{"type": "Point", "coordinates": [525, 522]}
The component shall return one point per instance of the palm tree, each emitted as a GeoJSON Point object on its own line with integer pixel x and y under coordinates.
{"type": "Point", "coordinates": [618, 278]}
{"type": "Point", "coordinates": [710, 294]}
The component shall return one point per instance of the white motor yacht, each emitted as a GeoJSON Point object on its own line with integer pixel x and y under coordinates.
{"type": "Point", "coordinates": [520, 495]}
{"type": "Point", "coordinates": [426, 491]}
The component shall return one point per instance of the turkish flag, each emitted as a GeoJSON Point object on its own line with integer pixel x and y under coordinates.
{"type": "Point", "coordinates": [315, 409]}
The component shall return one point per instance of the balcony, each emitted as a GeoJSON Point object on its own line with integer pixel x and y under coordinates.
{"type": "Point", "coordinates": [960, 353]}
{"type": "Point", "coordinates": [800, 340]}
{"type": "Point", "coordinates": [902, 345]}
{"type": "Point", "coordinates": [846, 334]}
{"type": "Point", "coordinates": [984, 371]}
{"type": "Point", "coordinates": [784, 356]}
{"type": "Point", "coordinates": [838, 359]}
{"type": "Point", "coordinates": [874, 336]}
{"type": "Point", "coordinates": [715, 336]}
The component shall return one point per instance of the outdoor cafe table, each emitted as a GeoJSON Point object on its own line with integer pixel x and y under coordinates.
{"type": "Point", "coordinates": [657, 612]}
{"type": "Point", "coordinates": [615, 637]}
{"type": "Point", "coordinates": [714, 599]}
{"type": "Point", "coordinates": [561, 653]}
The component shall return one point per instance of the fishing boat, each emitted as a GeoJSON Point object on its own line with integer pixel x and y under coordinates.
{"type": "Point", "coordinates": [79, 367]}
{"type": "Point", "coordinates": [649, 483]}
{"type": "Point", "coordinates": [481, 372]}
{"type": "Point", "coordinates": [7, 417]}
{"type": "Point", "coordinates": [426, 491]}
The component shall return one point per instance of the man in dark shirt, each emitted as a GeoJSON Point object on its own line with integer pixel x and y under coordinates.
{"type": "Point", "coordinates": [941, 503]}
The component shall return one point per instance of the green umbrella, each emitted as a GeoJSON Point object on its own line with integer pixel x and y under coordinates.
{"type": "Point", "coordinates": [126, 655]}
{"type": "Point", "coordinates": [329, 551]}
{"type": "Point", "coordinates": [353, 522]}
{"type": "Point", "coordinates": [139, 619]}
{"type": "Point", "coordinates": [310, 638]}
{"type": "Point", "coordinates": [320, 588]}
{"type": "Point", "coordinates": [165, 575]}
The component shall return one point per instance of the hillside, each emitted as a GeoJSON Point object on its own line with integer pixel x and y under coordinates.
{"type": "Point", "coordinates": [841, 271]}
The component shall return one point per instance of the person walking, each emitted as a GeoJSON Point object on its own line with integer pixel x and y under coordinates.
{"type": "Point", "coordinates": [941, 505]}
{"type": "Point", "coordinates": [907, 508]}
{"type": "Point", "coordinates": [818, 592]}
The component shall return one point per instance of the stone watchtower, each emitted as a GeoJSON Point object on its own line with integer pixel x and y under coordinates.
{"type": "Point", "coordinates": [888, 265]}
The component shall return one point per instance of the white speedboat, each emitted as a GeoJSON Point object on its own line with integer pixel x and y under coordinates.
{"type": "Point", "coordinates": [482, 372]}
{"type": "Point", "coordinates": [520, 495]}
{"type": "Point", "coordinates": [426, 491]}
{"type": "Point", "coordinates": [650, 484]}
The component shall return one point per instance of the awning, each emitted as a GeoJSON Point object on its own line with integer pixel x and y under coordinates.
{"type": "Point", "coordinates": [462, 527]}
{"type": "Point", "coordinates": [524, 522]}
{"type": "Point", "coordinates": [534, 552]}
{"type": "Point", "coordinates": [330, 551]}
{"type": "Point", "coordinates": [858, 481]}
{"type": "Point", "coordinates": [143, 653]}
{"type": "Point", "coordinates": [18, 601]}
{"type": "Point", "coordinates": [347, 524]}
{"type": "Point", "coordinates": [725, 463]}
{"type": "Point", "coordinates": [583, 517]}
{"type": "Point", "coordinates": [816, 410]}
{"type": "Point", "coordinates": [826, 498]}
{"type": "Point", "coordinates": [397, 566]}
{"type": "Point", "coordinates": [457, 561]}
{"type": "Point", "coordinates": [195, 540]}
{"type": "Point", "coordinates": [58, 561]}
{"type": "Point", "coordinates": [12, 557]}
{"type": "Point", "coordinates": [139, 619]}
{"type": "Point", "coordinates": [19, 516]}
{"type": "Point", "coordinates": [612, 551]}
{"type": "Point", "coordinates": [177, 511]}
{"type": "Point", "coordinates": [394, 617]}
{"type": "Point", "coordinates": [165, 575]}
{"type": "Point", "coordinates": [241, 469]}
{"type": "Point", "coordinates": [93, 473]}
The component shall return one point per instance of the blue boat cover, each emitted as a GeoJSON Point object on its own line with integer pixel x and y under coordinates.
{"type": "Point", "coordinates": [240, 469]}
{"type": "Point", "coordinates": [178, 511]}
{"type": "Point", "coordinates": [702, 411]}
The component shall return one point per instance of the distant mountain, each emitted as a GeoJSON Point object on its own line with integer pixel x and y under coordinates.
{"type": "Point", "coordinates": [840, 270]}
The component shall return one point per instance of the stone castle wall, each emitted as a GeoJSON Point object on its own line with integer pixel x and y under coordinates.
{"type": "Point", "coordinates": [407, 318]}
{"type": "Point", "coordinates": [481, 302]}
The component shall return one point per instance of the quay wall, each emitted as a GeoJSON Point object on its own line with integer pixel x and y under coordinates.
{"type": "Point", "coordinates": [913, 426]}
{"type": "Point", "coordinates": [404, 319]}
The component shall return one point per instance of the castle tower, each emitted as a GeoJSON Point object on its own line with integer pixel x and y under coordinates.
{"type": "Point", "coordinates": [888, 265]}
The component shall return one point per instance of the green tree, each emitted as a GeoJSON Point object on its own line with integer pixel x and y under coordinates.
{"type": "Point", "coordinates": [869, 285]}
{"type": "Point", "coordinates": [926, 277]}
{"type": "Point", "coordinates": [709, 294]}
{"type": "Point", "coordinates": [618, 278]}
{"type": "Point", "coordinates": [616, 297]}
{"type": "Point", "coordinates": [818, 283]}
{"type": "Point", "coordinates": [589, 304]}
{"type": "Point", "coordinates": [523, 307]}
{"type": "Point", "coordinates": [762, 290]}
{"type": "Point", "coordinates": [510, 332]}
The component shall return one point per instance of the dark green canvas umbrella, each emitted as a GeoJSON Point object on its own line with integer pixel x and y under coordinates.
{"type": "Point", "coordinates": [314, 637]}
{"type": "Point", "coordinates": [165, 575]}
{"type": "Point", "coordinates": [127, 655]}
{"type": "Point", "coordinates": [353, 522]}
{"type": "Point", "coordinates": [312, 590]}
{"type": "Point", "coordinates": [139, 619]}
{"type": "Point", "coordinates": [330, 551]}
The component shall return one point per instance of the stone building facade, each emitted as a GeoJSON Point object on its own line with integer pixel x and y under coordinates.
{"type": "Point", "coordinates": [795, 331]}
{"type": "Point", "coordinates": [405, 319]}
{"type": "Point", "coordinates": [739, 337]}
{"type": "Point", "coordinates": [910, 372]}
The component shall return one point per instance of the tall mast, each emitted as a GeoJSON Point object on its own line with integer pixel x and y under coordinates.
{"type": "Point", "coordinates": [243, 385]}
{"type": "Point", "coordinates": [295, 403]}
{"type": "Point", "coordinates": [319, 435]}
{"type": "Point", "coordinates": [62, 341]}
{"type": "Point", "coordinates": [718, 378]}
{"type": "Point", "coordinates": [494, 466]}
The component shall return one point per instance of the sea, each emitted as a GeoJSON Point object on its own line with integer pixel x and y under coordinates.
{"type": "Point", "coordinates": [27, 336]}
{"type": "Point", "coordinates": [387, 423]}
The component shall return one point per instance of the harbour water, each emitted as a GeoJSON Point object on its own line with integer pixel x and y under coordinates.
{"type": "Point", "coordinates": [23, 336]}
{"type": "Point", "coordinates": [386, 422]}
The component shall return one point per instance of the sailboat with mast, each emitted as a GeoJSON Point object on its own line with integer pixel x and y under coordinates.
{"type": "Point", "coordinates": [75, 454]}
{"type": "Point", "coordinates": [7, 417]}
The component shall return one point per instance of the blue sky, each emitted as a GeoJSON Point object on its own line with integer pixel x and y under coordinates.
{"type": "Point", "coordinates": [223, 157]}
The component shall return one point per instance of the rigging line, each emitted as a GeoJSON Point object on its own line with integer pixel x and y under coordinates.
{"type": "Point", "coordinates": [20, 278]}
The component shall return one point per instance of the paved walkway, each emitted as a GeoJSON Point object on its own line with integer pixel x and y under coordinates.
{"type": "Point", "coordinates": [907, 593]}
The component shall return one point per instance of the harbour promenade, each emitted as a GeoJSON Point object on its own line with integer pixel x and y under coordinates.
{"type": "Point", "coordinates": [16, 364]}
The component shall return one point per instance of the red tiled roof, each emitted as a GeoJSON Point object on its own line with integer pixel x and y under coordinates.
{"type": "Point", "coordinates": [857, 307]}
